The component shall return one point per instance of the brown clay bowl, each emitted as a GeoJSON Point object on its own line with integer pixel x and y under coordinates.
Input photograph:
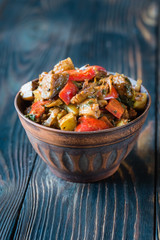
{"type": "Point", "coordinates": [82, 157]}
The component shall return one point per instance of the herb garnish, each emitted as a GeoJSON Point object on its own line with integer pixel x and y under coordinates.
{"type": "Point", "coordinates": [90, 101]}
{"type": "Point", "coordinates": [104, 91]}
{"type": "Point", "coordinates": [31, 117]}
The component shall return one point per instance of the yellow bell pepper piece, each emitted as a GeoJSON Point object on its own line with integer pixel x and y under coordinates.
{"type": "Point", "coordinates": [68, 122]}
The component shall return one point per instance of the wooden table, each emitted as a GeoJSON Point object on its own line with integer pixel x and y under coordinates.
{"type": "Point", "coordinates": [123, 36]}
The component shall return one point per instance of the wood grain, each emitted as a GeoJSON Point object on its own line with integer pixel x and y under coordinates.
{"type": "Point", "coordinates": [14, 147]}
{"type": "Point", "coordinates": [111, 209]}
{"type": "Point", "coordinates": [16, 154]}
{"type": "Point", "coordinates": [14, 175]}
{"type": "Point", "coordinates": [34, 204]}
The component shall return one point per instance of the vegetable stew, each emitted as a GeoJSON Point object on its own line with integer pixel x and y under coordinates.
{"type": "Point", "coordinates": [82, 99]}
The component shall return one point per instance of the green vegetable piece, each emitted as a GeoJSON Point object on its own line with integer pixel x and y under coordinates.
{"type": "Point", "coordinates": [68, 122]}
{"type": "Point", "coordinates": [127, 101]}
{"type": "Point", "coordinates": [61, 114]}
{"type": "Point", "coordinates": [73, 109]}
{"type": "Point", "coordinates": [91, 102]}
{"type": "Point", "coordinates": [31, 117]}
{"type": "Point", "coordinates": [140, 101]}
{"type": "Point", "coordinates": [121, 122]}
{"type": "Point", "coordinates": [78, 84]}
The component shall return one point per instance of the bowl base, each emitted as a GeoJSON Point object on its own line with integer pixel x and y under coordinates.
{"type": "Point", "coordinates": [85, 178]}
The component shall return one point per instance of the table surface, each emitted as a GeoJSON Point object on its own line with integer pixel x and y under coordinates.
{"type": "Point", "coordinates": [123, 36]}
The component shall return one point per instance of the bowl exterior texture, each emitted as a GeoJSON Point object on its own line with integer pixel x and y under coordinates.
{"type": "Point", "coordinates": [83, 164]}
{"type": "Point", "coordinates": [82, 157]}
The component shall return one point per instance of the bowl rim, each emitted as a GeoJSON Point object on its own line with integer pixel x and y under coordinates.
{"type": "Point", "coordinates": [83, 133]}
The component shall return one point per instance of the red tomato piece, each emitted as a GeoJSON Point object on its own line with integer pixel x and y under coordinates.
{"type": "Point", "coordinates": [115, 107]}
{"type": "Point", "coordinates": [113, 94]}
{"type": "Point", "coordinates": [38, 108]}
{"type": "Point", "coordinates": [69, 90]}
{"type": "Point", "coordinates": [85, 74]}
{"type": "Point", "coordinates": [90, 124]}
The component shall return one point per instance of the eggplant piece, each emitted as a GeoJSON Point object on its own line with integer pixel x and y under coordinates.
{"type": "Point", "coordinates": [132, 113]}
{"type": "Point", "coordinates": [122, 85]}
{"type": "Point", "coordinates": [84, 94]}
{"type": "Point", "coordinates": [52, 83]}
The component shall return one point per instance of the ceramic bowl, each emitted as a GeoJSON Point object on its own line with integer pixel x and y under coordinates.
{"type": "Point", "coordinates": [82, 157]}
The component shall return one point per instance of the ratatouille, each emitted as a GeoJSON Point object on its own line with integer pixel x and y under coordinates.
{"type": "Point", "coordinates": [82, 99]}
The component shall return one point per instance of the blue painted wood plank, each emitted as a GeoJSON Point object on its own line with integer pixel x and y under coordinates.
{"type": "Point", "coordinates": [16, 154]}
{"type": "Point", "coordinates": [120, 36]}
{"type": "Point", "coordinates": [111, 209]}
{"type": "Point", "coordinates": [23, 43]}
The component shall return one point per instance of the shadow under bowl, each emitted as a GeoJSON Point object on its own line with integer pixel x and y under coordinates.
{"type": "Point", "coordinates": [84, 156]}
